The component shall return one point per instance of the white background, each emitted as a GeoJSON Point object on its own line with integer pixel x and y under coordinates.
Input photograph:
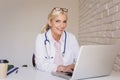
{"type": "Point", "coordinates": [20, 22]}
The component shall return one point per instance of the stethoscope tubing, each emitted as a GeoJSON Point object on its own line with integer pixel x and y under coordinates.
{"type": "Point", "coordinates": [45, 43]}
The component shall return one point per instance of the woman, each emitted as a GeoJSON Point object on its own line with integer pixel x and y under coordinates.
{"type": "Point", "coordinates": [56, 49]}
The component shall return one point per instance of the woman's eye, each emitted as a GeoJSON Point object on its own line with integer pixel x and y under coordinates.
{"type": "Point", "coordinates": [60, 21]}
{"type": "Point", "coordinates": [57, 20]}
{"type": "Point", "coordinates": [64, 21]}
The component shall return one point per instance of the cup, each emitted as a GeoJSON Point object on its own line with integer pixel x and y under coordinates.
{"type": "Point", "coordinates": [3, 68]}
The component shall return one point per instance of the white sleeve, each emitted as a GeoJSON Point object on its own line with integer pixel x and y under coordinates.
{"type": "Point", "coordinates": [76, 49]}
{"type": "Point", "coordinates": [41, 62]}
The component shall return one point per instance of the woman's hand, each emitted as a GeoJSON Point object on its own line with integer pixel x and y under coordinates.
{"type": "Point", "coordinates": [71, 66]}
{"type": "Point", "coordinates": [68, 68]}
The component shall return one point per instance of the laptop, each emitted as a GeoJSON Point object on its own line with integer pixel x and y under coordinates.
{"type": "Point", "coordinates": [93, 61]}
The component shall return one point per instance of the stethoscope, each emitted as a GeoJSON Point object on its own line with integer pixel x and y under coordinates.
{"type": "Point", "coordinates": [48, 47]}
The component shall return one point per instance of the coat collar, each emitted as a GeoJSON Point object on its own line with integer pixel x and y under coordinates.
{"type": "Point", "coordinates": [49, 36]}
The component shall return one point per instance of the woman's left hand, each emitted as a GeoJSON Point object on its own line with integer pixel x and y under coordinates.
{"type": "Point", "coordinates": [68, 68]}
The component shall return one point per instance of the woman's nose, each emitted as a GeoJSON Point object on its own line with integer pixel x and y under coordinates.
{"type": "Point", "coordinates": [63, 25]}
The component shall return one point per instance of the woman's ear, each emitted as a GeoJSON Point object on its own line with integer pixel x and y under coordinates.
{"type": "Point", "coordinates": [49, 22]}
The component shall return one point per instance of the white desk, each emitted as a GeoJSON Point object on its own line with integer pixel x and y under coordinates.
{"type": "Point", "coordinates": [29, 73]}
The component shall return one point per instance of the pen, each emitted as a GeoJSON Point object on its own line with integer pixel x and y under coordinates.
{"type": "Point", "coordinates": [12, 70]}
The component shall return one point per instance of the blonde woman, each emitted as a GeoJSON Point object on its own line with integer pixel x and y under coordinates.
{"type": "Point", "coordinates": [56, 50]}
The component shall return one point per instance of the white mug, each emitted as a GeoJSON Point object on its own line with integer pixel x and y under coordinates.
{"type": "Point", "coordinates": [3, 68]}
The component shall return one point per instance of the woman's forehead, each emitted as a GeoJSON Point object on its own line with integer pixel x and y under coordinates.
{"type": "Point", "coordinates": [61, 16]}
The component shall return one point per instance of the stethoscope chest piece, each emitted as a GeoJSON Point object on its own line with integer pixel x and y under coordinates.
{"type": "Point", "coordinates": [48, 57]}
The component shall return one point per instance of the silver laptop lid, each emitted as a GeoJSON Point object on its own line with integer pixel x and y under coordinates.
{"type": "Point", "coordinates": [94, 61]}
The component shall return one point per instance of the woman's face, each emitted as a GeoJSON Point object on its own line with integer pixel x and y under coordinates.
{"type": "Point", "coordinates": [58, 24]}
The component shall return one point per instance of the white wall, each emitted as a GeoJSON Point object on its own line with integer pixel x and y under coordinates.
{"type": "Point", "coordinates": [20, 22]}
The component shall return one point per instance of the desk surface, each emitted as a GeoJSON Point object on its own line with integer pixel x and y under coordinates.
{"type": "Point", "coordinates": [29, 73]}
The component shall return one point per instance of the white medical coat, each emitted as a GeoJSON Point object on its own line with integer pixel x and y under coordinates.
{"type": "Point", "coordinates": [47, 64]}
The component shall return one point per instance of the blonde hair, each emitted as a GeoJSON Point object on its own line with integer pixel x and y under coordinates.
{"type": "Point", "coordinates": [54, 13]}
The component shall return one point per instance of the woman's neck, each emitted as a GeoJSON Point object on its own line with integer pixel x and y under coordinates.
{"type": "Point", "coordinates": [56, 37]}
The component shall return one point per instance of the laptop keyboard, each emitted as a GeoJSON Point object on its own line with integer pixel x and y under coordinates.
{"type": "Point", "coordinates": [68, 73]}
